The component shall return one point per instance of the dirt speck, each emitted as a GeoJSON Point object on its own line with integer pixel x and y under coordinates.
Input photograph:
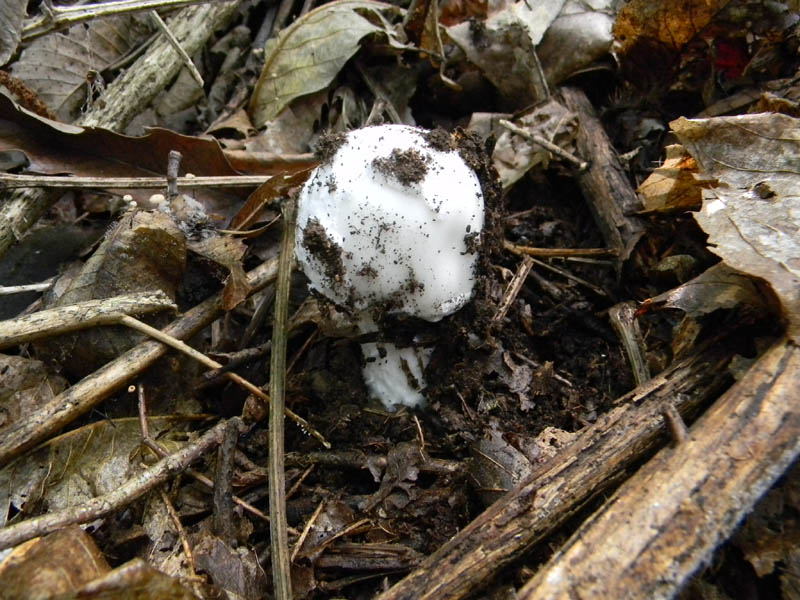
{"type": "Point", "coordinates": [328, 146]}
{"type": "Point", "coordinates": [439, 139]}
{"type": "Point", "coordinates": [407, 166]}
{"type": "Point", "coordinates": [320, 245]}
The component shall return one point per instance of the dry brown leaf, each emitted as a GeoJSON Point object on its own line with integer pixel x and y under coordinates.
{"type": "Point", "coordinates": [752, 216]}
{"type": "Point", "coordinates": [672, 186]}
{"type": "Point", "coordinates": [56, 565]}
{"type": "Point", "coordinates": [668, 23]}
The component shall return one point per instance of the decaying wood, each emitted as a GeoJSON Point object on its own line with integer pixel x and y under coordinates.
{"type": "Point", "coordinates": [604, 184]}
{"type": "Point", "coordinates": [544, 500]}
{"type": "Point", "coordinates": [664, 523]}
{"type": "Point", "coordinates": [122, 100]}
{"type": "Point", "coordinates": [135, 487]}
{"type": "Point", "coordinates": [90, 391]}
{"type": "Point", "coordinates": [82, 315]}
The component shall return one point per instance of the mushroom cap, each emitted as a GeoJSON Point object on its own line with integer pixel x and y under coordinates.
{"type": "Point", "coordinates": [391, 222]}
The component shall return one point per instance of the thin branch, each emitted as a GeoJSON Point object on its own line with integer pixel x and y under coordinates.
{"type": "Point", "coordinates": [545, 143]}
{"type": "Point", "coordinates": [557, 252]}
{"type": "Point", "coordinates": [81, 315]}
{"type": "Point", "coordinates": [187, 60]}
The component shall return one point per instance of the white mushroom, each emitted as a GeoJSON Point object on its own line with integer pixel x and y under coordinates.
{"type": "Point", "coordinates": [390, 223]}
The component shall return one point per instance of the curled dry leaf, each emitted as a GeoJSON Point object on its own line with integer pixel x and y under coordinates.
{"type": "Point", "coordinates": [752, 217]}
{"type": "Point", "coordinates": [672, 186]}
{"type": "Point", "coordinates": [227, 252]}
{"type": "Point", "coordinates": [306, 56]}
{"type": "Point", "coordinates": [717, 287]}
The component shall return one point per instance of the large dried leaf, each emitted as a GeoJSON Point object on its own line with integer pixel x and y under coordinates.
{"type": "Point", "coordinates": [306, 56]}
{"type": "Point", "coordinates": [57, 148]}
{"type": "Point", "coordinates": [145, 251]}
{"type": "Point", "coordinates": [56, 66]}
{"type": "Point", "coordinates": [502, 47]}
{"type": "Point", "coordinates": [12, 14]}
{"type": "Point", "coordinates": [752, 216]}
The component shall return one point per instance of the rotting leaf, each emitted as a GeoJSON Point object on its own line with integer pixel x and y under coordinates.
{"type": "Point", "coordinates": [514, 155]}
{"type": "Point", "coordinates": [58, 66]}
{"type": "Point", "coordinates": [306, 56]}
{"type": "Point", "coordinates": [25, 385]}
{"type": "Point", "coordinates": [12, 15]}
{"type": "Point", "coordinates": [752, 217]}
{"type": "Point", "coordinates": [144, 251]}
{"type": "Point", "coordinates": [235, 570]}
{"type": "Point", "coordinates": [79, 465]}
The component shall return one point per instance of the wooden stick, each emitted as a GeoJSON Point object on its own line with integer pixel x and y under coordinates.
{"type": "Point", "coordinates": [604, 184]}
{"type": "Point", "coordinates": [666, 520]}
{"type": "Point", "coordinates": [82, 315]}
